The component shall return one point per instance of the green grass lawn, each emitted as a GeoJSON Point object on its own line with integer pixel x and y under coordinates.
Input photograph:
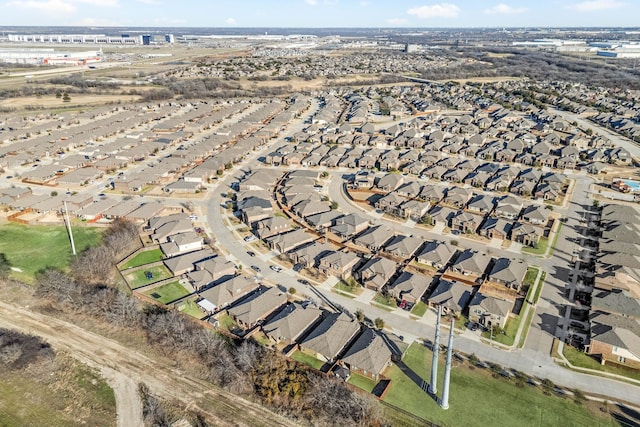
{"type": "Point", "coordinates": [37, 247]}
{"type": "Point", "coordinates": [388, 301]}
{"type": "Point", "coordinates": [143, 258]}
{"type": "Point", "coordinates": [530, 277]}
{"type": "Point", "coordinates": [167, 293]}
{"type": "Point", "coordinates": [583, 360]}
{"type": "Point", "coordinates": [261, 339]}
{"type": "Point", "coordinates": [536, 296]}
{"type": "Point", "coordinates": [362, 382]}
{"type": "Point", "coordinates": [191, 308]}
{"type": "Point", "coordinates": [137, 279]}
{"type": "Point", "coordinates": [510, 331]}
{"type": "Point", "coordinates": [478, 399]}
{"type": "Point", "coordinates": [226, 322]}
{"type": "Point", "coordinates": [307, 359]}
{"type": "Point", "coordinates": [344, 287]}
{"type": "Point", "coordinates": [540, 250]}
{"type": "Point", "coordinates": [419, 309]}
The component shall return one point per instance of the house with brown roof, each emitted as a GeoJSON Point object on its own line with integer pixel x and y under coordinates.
{"type": "Point", "coordinates": [527, 234]}
{"type": "Point", "coordinates": [409, 287]}
{"type": "Point", "coordinates": [334, 332]}
{"type": "Point", "coordinates": [286, 242]}
{"type": "Point", "coordinates": [257, 307]}
{"type": "Point", "coordinates": [470, 267]}
{"type": "Point", "coordinates": [340, 264]}
{"type": "Point", "coordinates": [403, 246]}
{"type": "Point", "coordinates": [374, 238]}
{"type": "Point", "coordinates": [369, 355]}
{"type": "Point", "coordinates": [436, 254]}
{"type": "Point", "coordinates": [508, 272]}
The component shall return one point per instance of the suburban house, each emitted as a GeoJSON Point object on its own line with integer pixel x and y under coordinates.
{"type": "Point", "coordinates": [334, 332]}
{"type": "Point", "coordinates": [470, 267]}
{"type": "Point", "coordinates": [409, 287]}
{"type": "Point", "coordinates": [369, 355]}
{"type": "Point", "coordinates": [349, 225]}
{"type": "Point", "coordinates": [495, 228]}
{"type": "Point", "coordinates": [271, 226]}
{"type": "Point", "coordinates": [451, 295]}
{"type": "Point", "coordinates": [536, 214]}
{"type": "Point", "coordinates": [291, 323]}
{"type": "Point", "coordinates": [374, 238]}
{"type": "Point", "coordinates": [436, 254]}
{"type": "Point", "coordinates": [181, 264]}
{"type": "Point", "coordinates": [528, 235]}
{"type": "Point", "coordinates": [340, 264]}
{"type": "Point", "coordinates": [508, 272]}
{"type": "Point", "coordinates": [211, 270]}
{"type": "Point", "coordinates": [465, 222]}
{"type": "Point", "coordinates": [257, 306]}
{"type": "Point", "coordinates": [376, 272]}
{"type": "Point", "coordinates": [614, 338]}
{"type": "Point", "coordinates": [181, 243]}
{"type": "Point", "coordinates": [403, 246]}
{"type": "Point", "coordinates": [308, 255]}
{"type": "Point", "coordinates": [225, 293]}
{"type": "Point", "coordinates": [488, 310]}
{"type": "Point", "coordinates": [286, 242]}
{"type": "Point", "coordinates": [508, 207]}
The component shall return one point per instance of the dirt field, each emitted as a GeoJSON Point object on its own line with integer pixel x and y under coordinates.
{"type": "Point", "coordinates": [76, 101]}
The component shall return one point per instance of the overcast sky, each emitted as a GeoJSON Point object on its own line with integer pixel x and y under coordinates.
{"type": "Point", "coordinates": [322, 13]}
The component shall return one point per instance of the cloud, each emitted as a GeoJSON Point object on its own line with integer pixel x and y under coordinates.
{"type": "Point", "coordinates": [364, 3]}
{"type": "Point", "coordinates": [440, 10]}
{"type": "Point", "coordinates": [591, 5]}
{"type": "Point", "coordinates": [58, 6]}
{"type": "Point", "coordinates": [110, 3]}
{"type": "Point", "coordinates": [397, 21]}
{"type": "Point", "coordinates": [311, 2]}
{"type": "Point", "coordinates": [504, 9]}
{"type": "Point", "coordinates": [230, 21]}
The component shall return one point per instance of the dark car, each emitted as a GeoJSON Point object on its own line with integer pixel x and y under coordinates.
{"type": "Point", "coordinates": [250, 253]}
{"type": "Point", "coordinates": [303, 281]}
{"type": "Point", "coordinates": [256, 268]}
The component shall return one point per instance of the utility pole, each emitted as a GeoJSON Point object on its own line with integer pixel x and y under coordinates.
{"type": "Point", "coordinates": [68, 221]}
{"type": "Point", "coordinates": [444, 403]}
{"type": "Point", "coordinates": [433, 388]}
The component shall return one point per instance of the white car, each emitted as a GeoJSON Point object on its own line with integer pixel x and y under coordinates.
{"type": "Point", "coordinates": [250, 238]}
{"type": "Point", "coordinates": [276, 268]}
{"type": "Point", "coordinates": [193, 217]}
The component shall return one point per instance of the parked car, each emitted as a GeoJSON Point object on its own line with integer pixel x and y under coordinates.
{"type": "Point", "coordinates": [250, 253]}
{"type": "Point", "coordinates": [256, 268]}
{"type": "Point", "coordinates": [250, 238]}
{"type": "Point", "coordinates": [275, 268]}
{"type": "Point", "coordinates": [303, 281]}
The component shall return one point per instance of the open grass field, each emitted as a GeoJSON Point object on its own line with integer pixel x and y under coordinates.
{"type": "Point", "coordinates": [67, 394]}
{"type": "Point", "coordinates": [30, 249]}
{"type": "Point", "coordinates": [167, 293]}
{"type": "Point", "coordinates": [50, 101]}
{"type": "Point", "coordinates": [146, 257]}
{"type": "Point", "coordinates": [478, 399]}
{"type": "Point", "coordinates": [138, 279]}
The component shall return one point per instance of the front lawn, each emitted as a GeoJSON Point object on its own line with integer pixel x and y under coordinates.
{"type": "Point", "coordinates": [530, 277]}
{"type": "Point", "coordinates": [477, 399]}
{"type": "Point", "coordinates": [419, 309]}
{"type": "Point", "coordinates": [146, 257]}
{"type": "Point", "coordinates": [345, 287]}
{"type": "Point", "coordinates": [362, 382]}
{"type": "Point", "coordinates": [583, 360]}
{"type": "Point", "coordinates": [540, 250]}
{"type": "Point", "coordinates": [388, 301]}
{"type": "Point", "coordinates": [138, 278]}
{"type": "Point", "coordinates": [167, 293]}
{"type": "Point", "coordinates": [307, 359]}
{"type": "Point", "coordinates": [31, 248]}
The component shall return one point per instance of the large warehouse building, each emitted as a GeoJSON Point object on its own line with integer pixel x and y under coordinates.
{"type": "Point", "coordinates": [49, 57]}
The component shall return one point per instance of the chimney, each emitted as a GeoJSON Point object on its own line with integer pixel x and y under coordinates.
{"type": "Point", "coordinates": [444, 403]}
{"type": "Point", "coordinates": [433, 388]}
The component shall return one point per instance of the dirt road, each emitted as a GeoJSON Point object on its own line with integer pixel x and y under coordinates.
{"type": "Point", "coordinates": [124, 368]}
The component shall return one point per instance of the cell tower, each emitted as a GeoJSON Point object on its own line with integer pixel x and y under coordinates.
{"type": "Point", "coordinates": [68, 224]}
{"type": "Point", "coordinates": [433, 388]}
{"type": "Point", "coordinates": [444, 403]}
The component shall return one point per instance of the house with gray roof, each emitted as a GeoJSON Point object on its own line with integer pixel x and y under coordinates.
{"type": "Point", "coordinates": [309, 255]}
{"type": "Point", "coordinates": [340, 264]}
{"type": "Point", "coordinates": [290, 323]}
{"type": "Point", "coordinates": [286, 242]}
{"type": "Point", "coordinates": [496, 228]}
{"type": "Point", "coordinates": [257, 306]}
{"type": "Point", "coordinates": [349, 225]}
{"type": "Point", "coordinates": [210, 271]}
{"type": "Point", "coordinates": [376, 272]}
{"type": "Point", "coordinates": [369, 354]}
{"type": "Point", "coordinates": [619, 302]}
{"type": "Point", "coordinates": [226, 293]}
{"type": "Point", "coordinates": [508, 207]}
{"type": "Point", "coordinates": [390, 182]}
{"type": "Point", "coordinates": [403, 246]}
{"type": "Point", "coordinates": [488, 310]}
{"type": "Point", "coordinates": [436, 254]}
{"type": "Point", "coordinates": [527, 234]}
{"type": "Point", "coordinates": [334, 332]}
{"type": "Point", "coordinates": [271, 226]}
{"type": "Point", "coordinates": [536, 214]}
{"type": "Point", "coordinates": [508, 272]}
{"type": "Point", "coordinates": [614, 338]}
{"type": "Point", "coordinates": [181, 264]}
{"type": "Point", "coordinates": [451, 295]}
{"type": "Point", "coordinates": [470, 267]}
{"type": "Point", "coordinates": [466, 222]}
{"type": "Point", "coordinates": [409, 287]}
{"type": "Point", "coordinates": [374, 238]}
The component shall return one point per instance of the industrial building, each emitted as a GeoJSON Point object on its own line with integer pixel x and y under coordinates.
{"type": "Point", "coordinates": [44, 56]}
{"type": "Point", "coordinates": [124, 39]}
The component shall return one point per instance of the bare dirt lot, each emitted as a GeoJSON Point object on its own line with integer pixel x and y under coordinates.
{"type": "Point", "coordinates": [51, 101]}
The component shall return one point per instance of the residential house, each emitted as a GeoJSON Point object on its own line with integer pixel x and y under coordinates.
{"type": "Point", "coordinates": [349, 225]}
{"type": "Point", "coordinates": [496, 228]}
{"type": "Point", "coordinates": [369, 355]}
{"type": "Point", "coordinates": [257, 307]}
{"type": "Point", "coordinates": [334, 332]}
{"type": "Point", "coordinates": [470, 267]}
{"type": "Point", "coordinates": [286, 242]}
{"type": "Point", "coordinates": [390, 182]}
{"type": "Point", "coordinates": [481, 204]}
{"type": "Point", "coordinates": [536, 214]}
{"type": "Point", "coordinates": [526, 234]}
{"type": "Point", "coordinates": [374, 238]}
{"type": "Point", "coordinates": [291, 323]}
{"type": "Point", "coordinates": [508, 207]}
{"type": "Point", "coordinates": [271, 226]}
{"type": "Point", "coordinates": [181, 264]}
{"type": "Point", "coordinates": [211, 270]}
{"type": "Point", "coordinates": [340, 264]}
{"type": "Point", "coordinates": [436, 254]}
{"type": "Point", "coordinates": [376, 272]}
{"type": "Point", "coordinates": [452, 296]}
{"type": "Point", "coordinates": [309, 255]}
{"type": "Point", "coordinates": [614, 338]}
{"type": "Point", "coordinates": [409, 287]}
{"type": "Point", "coordinates": [403, 246]}
{"type": "Point", "coordinates": [508, 272]}
{"type": "Point", "coordinates": [458, 197]}
{"type": "Point", "coordinates": [489, 311]}
{"type": "Point", "coordinates": [181, 243]}
{"type": "Point", "coordinates": [465, 222]}
{"type": "Point", "coordinates": [226, 293]}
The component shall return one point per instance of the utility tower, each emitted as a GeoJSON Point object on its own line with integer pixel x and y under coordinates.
{"type": "Point", "coordinates": [433, 388]}
{"type": "Point", "coordinates": [444, 403]}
